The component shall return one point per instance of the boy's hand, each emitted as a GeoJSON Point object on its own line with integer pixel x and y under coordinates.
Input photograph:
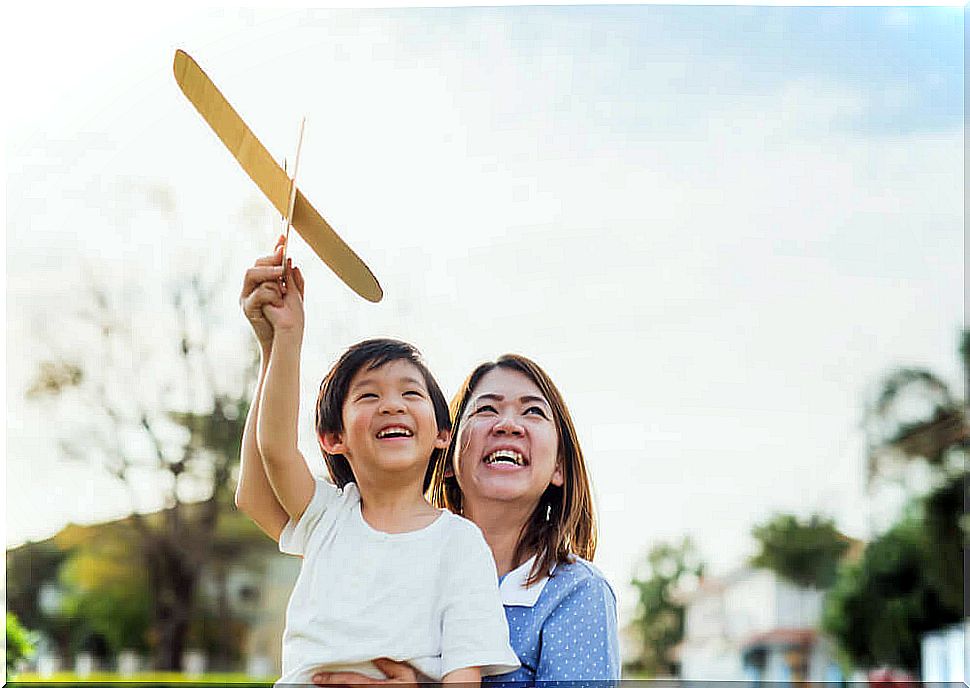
{"type": "Point", "coordinates": [260, 287]}
{"type": "Point", "coordinates": [286, 313]}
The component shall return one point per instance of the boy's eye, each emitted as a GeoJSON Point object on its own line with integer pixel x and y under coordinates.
{"type": "Point", "coordinates": [413, 392]}
{"type": "Point", "coordinates": [366, 395]}
{"type": "Point", "coordinates": [535, 410]}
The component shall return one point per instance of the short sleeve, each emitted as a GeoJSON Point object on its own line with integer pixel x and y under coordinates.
{"type": "Point", "coordinates": [475, 632]}
{"type": "Point", "coordinates": [579, 638]}
{"type": "Point", "coordinates": [295, 535]}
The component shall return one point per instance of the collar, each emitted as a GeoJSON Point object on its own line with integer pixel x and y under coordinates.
{"type": "Point", "coordinates": [512, 588]}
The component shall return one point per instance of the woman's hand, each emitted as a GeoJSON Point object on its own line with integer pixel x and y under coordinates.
{"type": "Point", "coordinates": [261, 286]}
{"type": "Point", "coordinates": [397, 673]}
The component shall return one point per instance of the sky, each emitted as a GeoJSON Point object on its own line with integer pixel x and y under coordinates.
{"type": "Point", "coordinates": [715, 227]}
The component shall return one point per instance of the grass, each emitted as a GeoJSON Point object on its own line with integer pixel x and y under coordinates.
{"type": "Point", "coordinates": [64, 678]}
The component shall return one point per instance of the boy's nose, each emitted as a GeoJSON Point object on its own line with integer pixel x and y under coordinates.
{"type": "Point", "coordinates": [392, 406]}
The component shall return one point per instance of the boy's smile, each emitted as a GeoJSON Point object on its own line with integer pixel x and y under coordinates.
{"type": "Point", "coordinates": [395, 432]}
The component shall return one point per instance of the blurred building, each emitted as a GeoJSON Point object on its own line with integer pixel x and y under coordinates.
{"type": "Point", "coordinates": [752, 625]}
{"type": "Point", "coordinates": [946, 654]}
{"type": "Point", "coordinates": [242, 594]}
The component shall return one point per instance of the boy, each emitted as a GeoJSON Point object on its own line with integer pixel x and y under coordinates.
{"type": "Point", "coordinates": [384, 573]}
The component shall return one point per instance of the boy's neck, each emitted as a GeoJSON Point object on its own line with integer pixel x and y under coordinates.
{"type": "Point", "coordinates": [502, 525]}
{"type": "Point", "coordinates": [395, 509]}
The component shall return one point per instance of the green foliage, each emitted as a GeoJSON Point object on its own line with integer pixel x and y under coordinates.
{"type": "Point", "coordinates": [107, 594]}
{"type": "Point", "coordinates": [947, 538]}
{"type": "Point", "coordinates": [660, 617]}
{"type": "Point", "coordinates": [28, 568]}
{"type": "Point", "coordinates": [20, 642]}
{"type": "Point", "coordinates": [880, 606]}
{"type": "Point", "coordinates": [805, 553]}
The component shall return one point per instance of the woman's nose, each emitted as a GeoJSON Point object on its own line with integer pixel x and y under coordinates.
{"type": "Point", "coordinates": [506, 425]}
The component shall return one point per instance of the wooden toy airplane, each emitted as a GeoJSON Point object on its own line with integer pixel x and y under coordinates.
{"type": "Point", "coordinates": [272, 179]}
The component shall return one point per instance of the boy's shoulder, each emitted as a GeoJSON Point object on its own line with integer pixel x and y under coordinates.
{"type": "Point", "coordinates": [346, 496]}
{"type": "Point", "coordinates": [459, 531]}
{"type": "Point", "coordinates": [459, 525]}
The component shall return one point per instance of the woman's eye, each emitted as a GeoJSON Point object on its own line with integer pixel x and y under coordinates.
{"type": "Point", "coordinates": [485, 408]}
{"type": "Point", "coordinates": [535, 410]}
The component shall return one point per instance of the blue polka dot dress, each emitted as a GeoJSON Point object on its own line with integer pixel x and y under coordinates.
{"type": "Point", "coordinates": [563, 628]}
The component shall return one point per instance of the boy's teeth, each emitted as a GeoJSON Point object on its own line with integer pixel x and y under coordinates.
{"type": "Point", "coordinates": [394, 432]}
{"type": "Point", "coordinates": [506, 456]}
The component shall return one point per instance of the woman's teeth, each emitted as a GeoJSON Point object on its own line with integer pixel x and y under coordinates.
{"type": "Point", "coordinates": [505, 456]}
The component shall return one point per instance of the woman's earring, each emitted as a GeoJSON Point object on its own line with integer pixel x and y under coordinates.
{"type": "Point", "coordinates": [548, 512]}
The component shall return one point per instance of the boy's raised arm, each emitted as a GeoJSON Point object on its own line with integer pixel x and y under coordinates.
{"type": "Point", "coordinates": [276, 423]}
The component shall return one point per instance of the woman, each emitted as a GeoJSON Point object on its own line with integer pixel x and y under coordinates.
{"type": "Point", "coordinates": [514, 467]}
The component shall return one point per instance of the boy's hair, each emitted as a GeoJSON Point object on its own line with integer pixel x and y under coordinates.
{"type": "Point", "coordinates": [372, 353]}
{"type": "Point", "coordinates": [570, 527]}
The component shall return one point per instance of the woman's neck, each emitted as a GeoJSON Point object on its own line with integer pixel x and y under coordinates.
{"type": "Point", "coordinates": [502, 525]}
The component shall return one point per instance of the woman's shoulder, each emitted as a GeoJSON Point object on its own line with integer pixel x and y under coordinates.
{"type": "Point", "coordinates": [579, 575]}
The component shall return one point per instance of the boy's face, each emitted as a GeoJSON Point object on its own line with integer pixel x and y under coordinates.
{"type": "Point", "coordinates": [389, 425]}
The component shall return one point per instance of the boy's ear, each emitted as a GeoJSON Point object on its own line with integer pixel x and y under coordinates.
{"type": "Point", "coordinates": [332, 443]}
{"type": "Point", "coordinates": [443, 439]}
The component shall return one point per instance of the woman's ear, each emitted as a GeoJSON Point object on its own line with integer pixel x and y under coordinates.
{"type": "Point", "coordinates": [557, 478]}
{"type": "Point", "coordinates": [332, 443]}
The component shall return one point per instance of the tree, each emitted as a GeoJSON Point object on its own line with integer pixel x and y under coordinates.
{"type": "Point", "coordinates": [156, 396]}
{"type": "Point", "coordinates": [107, 594]}
{"type": "Point", "coordinates": [880, 606]}
{"type": "Point", "coordinates": [916, 417]}
{"type": "Point", "coordinates": [910, 579]}
{"type": "Point", "coordinates": [805, 553]}
{"type": "Point", "coordinates": [659, 617]}
{"type": "Point", "coordinates": [946, 528]}
{"type": "Point", "coordinates": [28, 568]}
{"type": "Point", "coordinates": [20, 643]}
{"type": "Point", "coordinates": [100, 600]}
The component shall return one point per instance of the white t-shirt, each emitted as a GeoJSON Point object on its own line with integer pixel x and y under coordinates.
{"type": "Point", "coordinates": [428, 597]}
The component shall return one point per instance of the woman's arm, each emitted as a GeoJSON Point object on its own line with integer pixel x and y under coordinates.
{"type": "Point", "coordinates": [254, 495]}
{"type": "Point", "coordinates": [397, 673]}
{"type": "Point", "coordinates": [467, 675]}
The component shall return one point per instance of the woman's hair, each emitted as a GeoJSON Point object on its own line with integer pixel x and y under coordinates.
{"type": "Point", "coordinates": [370, 354]}
{"type": "Point", "coordinates": [563, 522]}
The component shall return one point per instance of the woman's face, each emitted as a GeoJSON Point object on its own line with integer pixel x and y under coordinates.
{"type": "Point", "coordinates": [508, 445]}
